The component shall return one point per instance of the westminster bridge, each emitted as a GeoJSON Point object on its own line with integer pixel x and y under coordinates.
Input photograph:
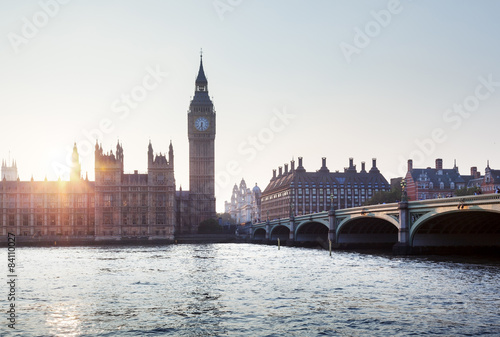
{"type": "Point", "coordinates": [410, 227]}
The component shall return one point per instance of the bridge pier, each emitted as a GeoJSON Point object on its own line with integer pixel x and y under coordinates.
{"type": "Point", "coordinates": [403, 245]}
{"type": "Point", "coordinates": [268, 229]}
{"type": "Point", "coordinates": [291, 238]}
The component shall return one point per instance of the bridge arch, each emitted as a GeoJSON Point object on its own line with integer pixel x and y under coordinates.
{"type": "Point", "coordinates": [311, 231]}
{"type": "Point", "coordinates": [259, 234]}
{"type": "Point", "coordinates": [280, 231]}
{"type": "Point", "coordinates": [470, 227]}
{"type": "Point", "coordinates": [365, 231]}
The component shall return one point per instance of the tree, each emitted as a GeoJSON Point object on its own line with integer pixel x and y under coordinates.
{"type": "Point", "coordinates": [209, 226]}
{"type": "Point", "coordinates": [226, 218]}
{"type": "Point", "coordinates": [467, 191]}
{"type": "Point", "coordinates": [383, 197]}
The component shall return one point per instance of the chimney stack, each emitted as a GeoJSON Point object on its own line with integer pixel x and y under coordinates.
{"type": "Point", "coordinates": [280, 171]}
{"type": "Point", "coordinates": [323, 162]}
{"type": "Point", "coordinates": [374, 162]}
{"type": "Point", "coordinates": [410, 165]}
{"type": "Point", "coordinates": [300, 161]}
{"type": "Point", "coordinates": [363, 166]}
{"type": "Point", "coordinates": [439, 164]}
{"type": "Point", "coordinates": [351, 162]}
{"type": "Point", "coordinates": [473, 172]}
{"type": "Point", "coordinates": [286, 168]}
{"type": "Point", "coordinates": [292, 165]}
{"type": "Point", "coordinates": [274, 174]}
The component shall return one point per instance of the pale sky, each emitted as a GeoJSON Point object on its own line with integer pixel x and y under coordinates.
{"type": "Point", "coordinates": [361, 79]}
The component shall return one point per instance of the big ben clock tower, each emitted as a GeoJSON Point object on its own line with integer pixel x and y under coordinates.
{"type": "Point", "coordinates": [201, 134]}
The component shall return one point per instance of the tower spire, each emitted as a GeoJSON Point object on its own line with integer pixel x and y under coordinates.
{"type": "Point", "coordinates": [201, 79]}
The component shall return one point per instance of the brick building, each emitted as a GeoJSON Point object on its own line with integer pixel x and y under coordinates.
{"type": "Point", "coordinates": [297, 191]}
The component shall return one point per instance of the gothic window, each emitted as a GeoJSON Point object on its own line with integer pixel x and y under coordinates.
{"type": "Point", "coordinates": [80, 201]}
{"type": "Point", "coordinates": [108, 218]}
{"type": "Point", "coordinates": [160, 218]}
{"type": "Point", "coordinates": [79, 220]}
{"type": "Point", "coordinates": [108, 198]}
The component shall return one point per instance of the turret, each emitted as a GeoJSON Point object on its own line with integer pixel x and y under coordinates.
{"type": "Point", "coordinates": [76, 167]}
{"type": "Point", "coordinates": [171, 155]}
{"type": "Point", "coordinates": [150, 153]}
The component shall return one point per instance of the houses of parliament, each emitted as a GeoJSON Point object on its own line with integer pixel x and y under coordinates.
{"type": "Point", "coordinates": [117, 205]}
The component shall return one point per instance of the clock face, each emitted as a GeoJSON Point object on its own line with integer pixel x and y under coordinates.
{"type": "Point", "coordinates": [201, 124]}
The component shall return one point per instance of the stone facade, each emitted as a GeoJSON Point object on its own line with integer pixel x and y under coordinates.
{"type": "Point", "coordinates": [244, 206]}
{"type": "Point", "coordinates": [201, 135]}
{"type": "Point", "coordinates": [8, 172]}
{"type": "Point", "coordinates": [134, 205]}
{"type": "Point", "coordinates": [118, 205]}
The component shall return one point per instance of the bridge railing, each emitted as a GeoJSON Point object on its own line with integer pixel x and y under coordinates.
{"type": "Point", "coordinates": [474, 199]}
{"type": "Point", "coordinates": [392, 207]}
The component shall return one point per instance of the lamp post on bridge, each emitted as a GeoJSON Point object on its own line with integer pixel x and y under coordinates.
{"type": "Point", "coordinates": [404, 193]}
{"type": "Point", "coordinates": [332, 222]}
{"type": "Point", "coordinates": [403, 245]}
{"type": "Point", "coordinates": [291, 236]}
{"type": "Point", "coordinates": [268, 226]}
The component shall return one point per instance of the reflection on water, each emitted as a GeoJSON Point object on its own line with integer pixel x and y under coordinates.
{"type": "Point", "coordinates": [251, 290]}
{"type": "Point", "coordinates": [62, 320]}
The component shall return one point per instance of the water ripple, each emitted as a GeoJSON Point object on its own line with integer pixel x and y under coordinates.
{"type": "Point", "coordinates": [250, 290]}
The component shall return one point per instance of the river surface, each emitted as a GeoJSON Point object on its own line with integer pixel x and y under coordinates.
{"type": "Point", "coordinates": [249, 290]}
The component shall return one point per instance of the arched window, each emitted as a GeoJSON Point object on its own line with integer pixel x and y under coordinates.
{"type": "Point", "coordinates": [452, 185]}
{"type": "Point", "coordinates": [441, 185]}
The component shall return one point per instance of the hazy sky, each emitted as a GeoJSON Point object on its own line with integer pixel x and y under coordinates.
{"type": "Point", "coordinates": [336, 79]}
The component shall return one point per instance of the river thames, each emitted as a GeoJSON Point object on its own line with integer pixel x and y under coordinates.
{"type": "Point", "coordinates": [250, 290]}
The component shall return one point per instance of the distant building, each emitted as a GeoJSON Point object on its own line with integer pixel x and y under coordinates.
{"type": "Point", "coordinates": [245, 203]}
{"type": "Point", "coordinates": [119, 205]}
{"type": "Point", "coordinates": [432, 183]}
{"type": "Point", "coordinates": [491, 181]}
{"type": "Point", "coordinates": [9, 172]}
{"type": "Point", "coordinates": [475, 179]}
{"type": "Point", "coordinates": [299, 192]}
{"type": "Point", "coordinates": [134, 205]}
